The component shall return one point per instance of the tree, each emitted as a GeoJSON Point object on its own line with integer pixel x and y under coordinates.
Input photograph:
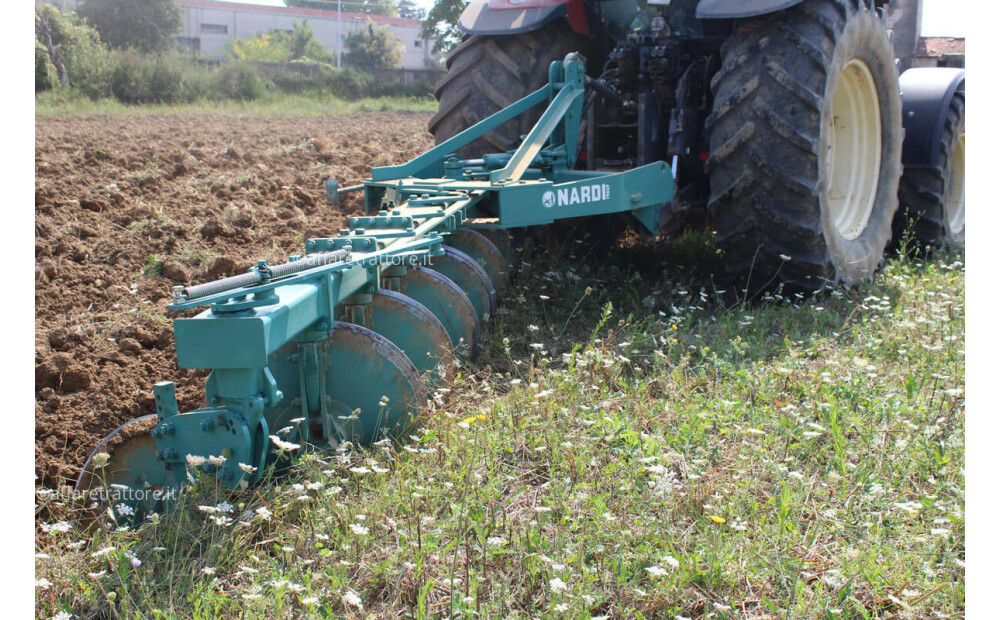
{"type": "Point", "coordinates": [442, 25]}
{"type": "Point", "coordinates": [69, 53]}
{"type": "Point", "coordinates": [143, 25]}
{"type": "Point", "coordinates": [386, 8]}
{"type": "Point", "coordinates": [373, 47]}
{"type": "Point", "coordinates": [304, 45]}
{"type": "Point", "coordinates": [408, 9]}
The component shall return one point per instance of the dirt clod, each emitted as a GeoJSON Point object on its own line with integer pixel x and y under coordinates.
{"type": "Point", "coordinates": [175, 271]}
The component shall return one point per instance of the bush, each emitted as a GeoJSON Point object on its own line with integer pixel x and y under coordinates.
{"type": "Point", "coordinates": [348, 83]}
{"type": "Point", "coordinates": [239, 80]}
{"type": "Point", "coordinates": [343, 83]}
{"type": "Point", "coordinates": [198, 83]}
{"type": "Point", "coordinates": [143, 79]}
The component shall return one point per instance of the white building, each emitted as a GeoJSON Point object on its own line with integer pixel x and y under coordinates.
{"type": "Point", "coordinates": [210, 24]}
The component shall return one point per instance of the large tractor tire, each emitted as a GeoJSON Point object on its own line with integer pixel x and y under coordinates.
{"type": "Point", "coordinates": [932, 200]}
{"type": "Point", "coordinates": [805, 146]}
{"type": "Point", "coordinates": [488, 73]}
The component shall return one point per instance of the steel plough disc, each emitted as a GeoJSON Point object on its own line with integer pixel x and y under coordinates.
{"type": "Point", "coordinates": [417, 332]}
{"type": "Point", "coordinates": [499, 237]}
{"type": "Point", "coordinates": [470, 277]}
{"type": "Point", "coordinates": [132, 482]}
{"type": "Point", "coordinates": [484, 252]}
{"type": "Point", "coordinates": [448, 303]}
{"type": "Point", "coordinates": [374, 390]}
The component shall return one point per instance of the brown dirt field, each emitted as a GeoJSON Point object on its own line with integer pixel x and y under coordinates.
{"type": "Point", "coordinates": [209, 195]}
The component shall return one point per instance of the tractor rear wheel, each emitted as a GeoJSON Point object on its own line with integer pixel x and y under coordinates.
{"type": "Point", "coordinates": [932, 200]}
{"type": "Point", "coordinates": [805, 146]}
{"type": "Point", "coordinates": [488, 73]}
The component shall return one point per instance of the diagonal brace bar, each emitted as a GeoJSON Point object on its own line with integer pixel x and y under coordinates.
{"type": "Point", "coordinates": [431, 163]}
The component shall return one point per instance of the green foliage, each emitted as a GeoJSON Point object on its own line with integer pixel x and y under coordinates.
{"type": "Point", "coordinates": [77, 46]}
{"type": "Point", "coordinates": [305, 46]}
{"type": "Point", "coordinates": [238, 80]}
{"type": "Point", "coordinates": [408, 9]}
{"type": "Point", "coordinates": [442, 25]}
{"type": "Point", "coordinates": [280, 46]}
{"type": "Point", "coordinates": [386, 8]}
{"type": "Point", "coordinates": [373, 47]}
{"type": "Point", "coordinates": [271, 46]}
{"type": "Point", "coordinates": [144, 25]}
{"type": "Point", "coordinates": [144, 79]}
{"type": "Point", "coordinates": [45, 73]}
{"type": "Point", "coordinates": [349, 83]}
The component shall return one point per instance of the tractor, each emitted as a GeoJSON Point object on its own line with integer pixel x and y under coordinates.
{"type": "Point", "coordinates": [783, 120]}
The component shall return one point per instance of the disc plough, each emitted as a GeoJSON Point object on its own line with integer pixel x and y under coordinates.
{"type": "Point", "coordinates": [343, 343]}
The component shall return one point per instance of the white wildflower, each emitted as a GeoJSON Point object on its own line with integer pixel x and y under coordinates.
{"type": "Point", "coordinates": [103, 552]}
{"type": "Point", "coordinates": [352, 599]}
{"type": "Point", "coordinates": [284, 446]}
{"type": "Point", "coordinates": [195, 461]}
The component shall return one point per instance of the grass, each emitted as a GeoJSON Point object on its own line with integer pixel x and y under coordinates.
{"type": "Point", "coordinates": [633, 443]}
{"type": "Point", "coordinates": [59, 104]}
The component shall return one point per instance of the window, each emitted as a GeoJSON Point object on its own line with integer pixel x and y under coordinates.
{"type": "Point", "coordinates": [215, 28]}
{"type": "Point", "coordinates": [417, 43]}
{"type": "Point", "coordinates": [192, 44]}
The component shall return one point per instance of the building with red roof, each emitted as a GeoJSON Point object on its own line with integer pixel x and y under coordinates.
{"type": "Point", "coordinates": [210, 24]}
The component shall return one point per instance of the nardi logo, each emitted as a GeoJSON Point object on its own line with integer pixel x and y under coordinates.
{"type": "Point", "coordinates": [576, 195]}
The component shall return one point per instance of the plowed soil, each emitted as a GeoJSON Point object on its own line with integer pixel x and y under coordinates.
{"type": "Point", "coordinates": [127, 206]}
